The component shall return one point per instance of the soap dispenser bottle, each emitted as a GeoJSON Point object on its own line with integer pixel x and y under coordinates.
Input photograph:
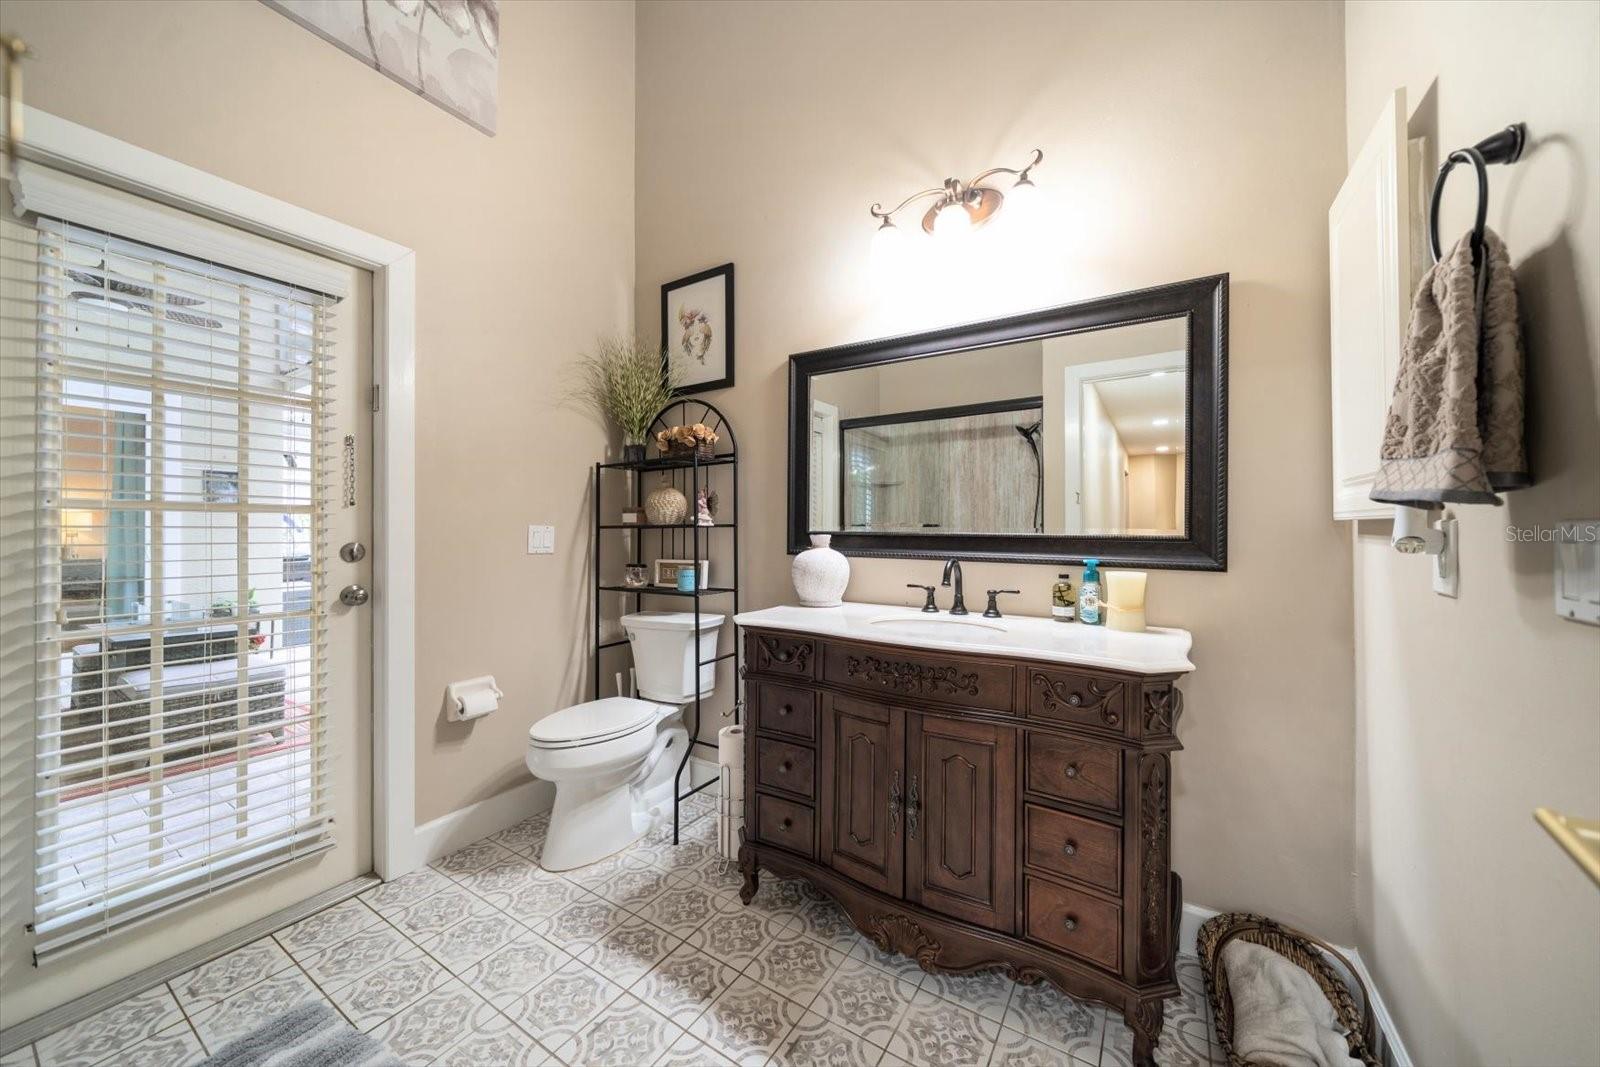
{"type": "Point", "coordinates": [1089, 594]}
{"type": "Point", "coordinates": [1063, 601]}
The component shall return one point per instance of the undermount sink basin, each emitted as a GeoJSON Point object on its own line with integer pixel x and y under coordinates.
{"type": "Point", "coordinates": [945, 627]}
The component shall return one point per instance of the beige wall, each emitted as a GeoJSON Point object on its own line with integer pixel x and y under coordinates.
{"type": "Point", "coordinates": [1484, 938]}
{"type": "Point", "coordinates": [1180, 141]}
{"type": "Point", "coordinates": [524, 246]}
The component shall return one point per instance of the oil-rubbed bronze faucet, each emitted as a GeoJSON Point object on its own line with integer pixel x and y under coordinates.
{"type": "Point", "coordinates": [959, 606]}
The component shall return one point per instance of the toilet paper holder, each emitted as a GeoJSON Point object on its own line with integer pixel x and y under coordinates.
{"type": "Point", "coordinates": [472, 698]}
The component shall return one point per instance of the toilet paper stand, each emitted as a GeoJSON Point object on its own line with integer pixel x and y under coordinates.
{"type": "Point", "coordinates": [471, 699]}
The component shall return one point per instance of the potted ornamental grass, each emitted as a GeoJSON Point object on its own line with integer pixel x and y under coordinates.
{"type": "Point", "coordinates": [628, 381]}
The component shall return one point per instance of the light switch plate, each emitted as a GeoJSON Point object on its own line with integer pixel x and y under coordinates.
{"type": "Point", "coordinates": [541, 540]}
{"type": "Point", "coordinates": [1578, 571]}
{"type": "Point", "coordinates": [1447, 564]}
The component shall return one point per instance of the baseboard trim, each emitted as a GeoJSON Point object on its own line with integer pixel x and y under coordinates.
{"type": "Point", "coordinates": [74, 1011]}
{"type": "Point", "coordinates": [1394, 1050]}
{"type": "Point", "coordinates": [465, 825]}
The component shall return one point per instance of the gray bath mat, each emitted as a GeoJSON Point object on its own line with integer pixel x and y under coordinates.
{"type": "Point", "coordinates": [307, 1035]}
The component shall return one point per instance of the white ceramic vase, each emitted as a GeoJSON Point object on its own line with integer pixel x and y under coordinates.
{"type": "Point", "coordinates": [820, 574]}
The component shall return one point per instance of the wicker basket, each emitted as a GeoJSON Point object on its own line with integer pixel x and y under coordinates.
{"type": "Point", "coordinates": [1302, 949]}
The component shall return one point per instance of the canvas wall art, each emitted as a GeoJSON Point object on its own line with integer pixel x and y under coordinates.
{"type": "Point", "coordinates": [697, 328]}
{"type": "Point", "coordinates": [448, 51]}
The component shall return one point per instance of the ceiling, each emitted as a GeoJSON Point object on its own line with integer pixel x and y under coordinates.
{"type": "Point", "coordinates": [1134, 404]}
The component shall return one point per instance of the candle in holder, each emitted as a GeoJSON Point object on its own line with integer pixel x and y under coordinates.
{"type": "Point", "coordinates": [1124, 600]}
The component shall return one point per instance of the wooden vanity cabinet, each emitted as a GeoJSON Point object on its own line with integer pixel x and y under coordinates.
{"type": "Point", "coordinates": [973, 811]}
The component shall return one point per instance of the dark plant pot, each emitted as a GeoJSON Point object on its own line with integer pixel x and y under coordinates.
{"type": "Point", "coordinates": [633, 453]}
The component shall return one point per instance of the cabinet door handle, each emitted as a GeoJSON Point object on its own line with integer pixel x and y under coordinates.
{"type": "Point", "coordinates": [894, 804]}
{"type": "Point", "coordinates": [1073, 770]}
{"type": "Point", "coordinates": [1070, 923]}
{"type": "Point", "coordinates": [913, 809]}
{"type": "Point", "coordinates": [1070, 848]}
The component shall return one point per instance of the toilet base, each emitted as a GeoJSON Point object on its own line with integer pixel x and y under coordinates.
{"type": "Point", "coordinates": [591, 819]}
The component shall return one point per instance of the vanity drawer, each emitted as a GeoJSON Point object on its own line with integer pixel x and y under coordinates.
{"type": "Point", "coordinates": [1074, 847]}
{"type": "Point", "coordinates": [783, 709]}
{"type": "Point", "coordinates": [786, 824]}
{"type": "Point", "coordinates": [791, 768]}
{"type": "Point", "coordinates": [1071, 769]}
{"type": "Point", "coordinates": [1075, 922]}
{"type": "Point", "coordinates": [898, 674]}
{"type": "Point", "coordinates": [1076, 699]}
{"type": "Point", "coordinates": [782, 654]}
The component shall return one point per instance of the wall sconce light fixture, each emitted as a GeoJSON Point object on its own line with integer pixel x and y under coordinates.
{"type": "Point", "coordinates": [959, 207]}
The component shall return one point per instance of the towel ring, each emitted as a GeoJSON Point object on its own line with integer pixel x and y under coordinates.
{"type": "Point", "coordinates": [1503, 147]}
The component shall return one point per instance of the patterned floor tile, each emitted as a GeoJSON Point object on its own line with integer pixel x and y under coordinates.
{"type": "Point", "coordinates": [376, 996]}
{"type": "Point", "coordinates": [444, 1016]}
{"type": "Point", "coordinates": [460, 946]}
{"type": "Point", "coordinates": [538, 899]}
{"type": "Point", "coordinates": [404, 891]}
{"type": "Point", "coordinates": [357, 954]}
{"type": "Point", "coordinates": [815, 1042]}
{"type": "Point", "coordinates": [716, 874]}
{"type": "Point", "coordinates": [825, 921]}
{"type": "Point", "coordinates": [502, 878]}
{"type": "Point", "coordinates": [796, 967]}
{"type": "Point", "coordinates": [176, 1046]}
{"type": "Point", "coordinates": [581, 923]}
{"type": "Point", "coordinates": [937, 1033]}
{"type": "Point", "coordinates": [515, 968]}
{"type": "Point", "coordinates": [1019, 1050]}
{"type": "Point", "coordinates": [684, 984]}
{"type": "Point", "coordinates": [782, 898]}
{"type": "Point", "coordinates": [893, 962]}
{"type": "Point", "coordinates": [747, 1022]}
{"type": "Point", "coordinates": [557, 1009]}
{"type": "Point", "coordinates": [683, 909]}
{"type": "Point", "coordinates": [690, 1051]}
{"type": "Point", "coordinates": [1187, 1045]}
{"type": "Point", "coordinates": [986, 992]}
{"type": "Point", "coordinates": [225, 976]}
{"type": "Point", "coordinates": [111, 1030]}
{"type": "Point", "coordinates": [473, 857]}
{"type": "Point", "coordinates": [526, 837]}
{"type": "Point", "coordinates": [626, 1034]}
{"type": "Point", "coordinates": [684, 855]}
{"type": "Point", "coordinates": [865, 1001]}
{"type": "Point", "coordinates": [633, 889]}
{"type": "Point", "coordinates": [435, 914]}
{"type": "Point", "coordinates": [629, 950]}
{"type": "Point", "coordinates": [1043, 1012]}
{"type": "Point", "coordinates": [327, 927]}
{"type": "Point", "coordinates": [501, 1043]}
{"type": "Point", "coordinates": [738, 936]}
{"type": "Point", "coordinates": [249, 1008]}
{"type": "Point", "coordinates": [592, 875]}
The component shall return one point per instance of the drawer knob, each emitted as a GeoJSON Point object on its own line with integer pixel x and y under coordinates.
{"type": "Point", "coordinates": [1070, 848]}
{"type": "Point", "coordinates": [1075, 700]}
{"type": "Point", "coordinates": [786, 766]}
{"type": "Point", "coordinates": [1070, 923]}
{"type": "Point", "coordinates": [786, 824]}
{"type": "Point", "coordinates": [784, 709]}
{"type": "Point", "coordinates": [1073, 770]}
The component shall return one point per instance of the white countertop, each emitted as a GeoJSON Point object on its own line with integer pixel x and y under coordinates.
{"type": "Point", "coordinates": [1159, 650]}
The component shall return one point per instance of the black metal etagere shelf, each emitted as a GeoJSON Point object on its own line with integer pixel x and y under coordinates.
{"type": "Point", "coordinates": [688, 474]}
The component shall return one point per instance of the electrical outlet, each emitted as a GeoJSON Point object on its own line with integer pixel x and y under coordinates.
{"type": "Point", "coordinates": [541, 540]}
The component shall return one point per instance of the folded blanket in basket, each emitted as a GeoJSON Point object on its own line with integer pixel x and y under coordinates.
{"type": "Point", "coordinates": [1455, 426]}
{"type": "Point", "coordinates": [1280, 1015]}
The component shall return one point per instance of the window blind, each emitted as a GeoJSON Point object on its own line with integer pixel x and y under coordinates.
{"type": "Point", "coordinates": [180, 647]}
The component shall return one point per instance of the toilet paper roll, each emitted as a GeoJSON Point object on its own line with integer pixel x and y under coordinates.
{"type": "Point", "coordinates": [476, 703]}
{"type": "Point", "coordinates": [730, 751]}
{"type": "Point", "coordinates": [730, 801]}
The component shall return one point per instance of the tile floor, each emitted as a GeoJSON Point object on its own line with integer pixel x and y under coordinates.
{"type": "Point", "coordinates": [644, 958]}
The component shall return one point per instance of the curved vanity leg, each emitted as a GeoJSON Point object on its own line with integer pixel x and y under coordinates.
{"type": "Point", "coordinates": [1144, 1019]}
{"type": "Point", "coordinates": [752, 873]}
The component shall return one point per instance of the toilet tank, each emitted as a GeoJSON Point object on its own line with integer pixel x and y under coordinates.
{"type": "Point", "coordinates": [665, 653]}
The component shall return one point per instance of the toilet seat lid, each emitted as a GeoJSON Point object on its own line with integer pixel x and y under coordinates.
{"type": "Point", "coordinates": [597, 720]}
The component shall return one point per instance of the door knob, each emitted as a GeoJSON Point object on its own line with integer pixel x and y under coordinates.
{"type": "Point", "coordinates": [354, 595]}
{"type": "Point", "coordinates": [353, 552]}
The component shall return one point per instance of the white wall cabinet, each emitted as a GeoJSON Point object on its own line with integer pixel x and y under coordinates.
{"type": "Point", "coordinates": [1373, 237]}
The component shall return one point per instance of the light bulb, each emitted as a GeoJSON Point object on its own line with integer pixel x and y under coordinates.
{"type": "Point", "coordinates": [888, 252]}
{"type": "Point", "coordinates": [1023, 204]}
{"type": "Point", "coordinates": [952, 223]}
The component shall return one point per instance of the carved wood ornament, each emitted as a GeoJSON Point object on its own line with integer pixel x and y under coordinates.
{"type": "Point", "coordinates": [1060, 697]}
{"type": "Point", "coordinates": [905, 677]}
{"type": "Point", "coordinates": [1161, 710]}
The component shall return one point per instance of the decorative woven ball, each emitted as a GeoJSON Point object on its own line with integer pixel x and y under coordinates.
{"type": "Point", "coordinates": [666, 506]}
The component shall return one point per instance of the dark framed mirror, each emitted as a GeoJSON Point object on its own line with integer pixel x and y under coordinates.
{"type": "Point", "coordinates": [1098, 428]}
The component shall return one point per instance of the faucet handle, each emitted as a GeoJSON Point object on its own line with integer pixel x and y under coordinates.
{"type": "Point", "coordinates": [928, 589]}
{"type": "Point", "coordinates": [993, 610]}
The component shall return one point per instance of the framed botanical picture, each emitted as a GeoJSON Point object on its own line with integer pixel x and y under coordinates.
{"type": "Point", "coordinates": [697, 328]}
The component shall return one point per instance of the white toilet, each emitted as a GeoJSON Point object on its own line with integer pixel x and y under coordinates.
{"type": "Point", "coordinates": [613, 761]}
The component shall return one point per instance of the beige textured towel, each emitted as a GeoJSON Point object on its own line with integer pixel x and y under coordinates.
{"type": "Point", "coordinates": [1454, 432]}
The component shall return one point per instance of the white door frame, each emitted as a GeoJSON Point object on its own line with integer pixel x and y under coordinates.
{"type": "Point", "coordinates": [54, 142]}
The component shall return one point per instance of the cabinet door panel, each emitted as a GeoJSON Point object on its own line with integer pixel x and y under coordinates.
{"type": "Point", "coordinates": [961, 819]}
{"type": "Point", "coordinates": [863, 749]}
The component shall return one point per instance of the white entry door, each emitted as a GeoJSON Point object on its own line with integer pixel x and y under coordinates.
{"type": "Point", "coordinates": [202, 718]}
